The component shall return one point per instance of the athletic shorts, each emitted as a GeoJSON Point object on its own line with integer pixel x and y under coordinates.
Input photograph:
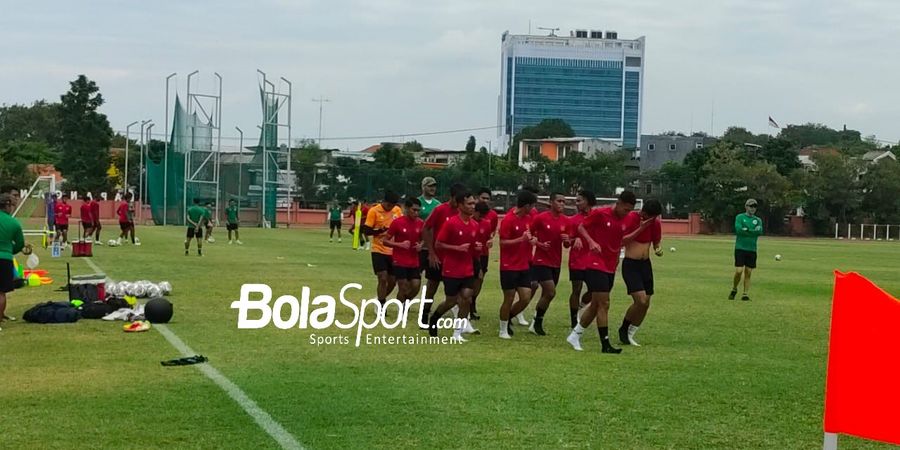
{"type": "Point", "coordinates": [544, 273]}
{"type": "Point", "coordinates": [87, 225]}
{"type": "Point", "coordinates": [483, 263]}
{"type": "Point", "coordinates": [638, 275]}
{"type": "Point", "coordinates": [7, 275]}
{"type": "Point", "coordinates": [431, 273]}
{"type": "Point", "coordinates": [407, 273]}
{"type": "Point", "coordinates": [62, 227]}
{"type": "Point", "coordinates": [125, 226]}
{"type": "Point", "coordinates": [512, 279]}
{"type": "Point", "coordinates": [453, 286]}
{"type": "Point", "coordinates": [577, 275]}
{"type": "Point", "coordinates": [382, 263]}
{"type": "Point", "coordinates": [97, 226]}
{"type": "Point", "coordinates": [598, 281]}
{"type": "Point", "coordinates": [335, 225]}
{"type": "Point", "coordinates": [194, 232]}
{"type": "Point", "coordinates": [231, 226]}
{"type": "Point", "coordinates": [744, 258]}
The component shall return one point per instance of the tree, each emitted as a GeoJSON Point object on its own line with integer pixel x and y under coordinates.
{"type": "Point", "coordinates": [84, 137]}
{"type": "Point", "coordinates": [881, 187]}
{"type": "Point", "coordinates": [545, 129]}
{"type": "Point", "coordinates": [740, 136]}
{"type": "Point", "coordinates": [782, 154]}
{"type": "Point", "coordinates": [306, 160]}
{"type": "Point", "coordinates": [16, 155]}
{"type": "Point", "coordinates": [389, 156]}
{"type": "Point", "coordinates": [832, 191]}
{"type": "Point", "coordinates": [471, 144]}
{"type": "Point", "coordinates": [36, 123]}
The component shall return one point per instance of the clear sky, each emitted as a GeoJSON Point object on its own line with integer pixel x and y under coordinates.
{"type": "Point", "coordinates": [398, 67]}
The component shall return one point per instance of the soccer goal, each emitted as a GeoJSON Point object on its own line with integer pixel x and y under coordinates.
{"type": "Point", "coordinates": [33, 204]}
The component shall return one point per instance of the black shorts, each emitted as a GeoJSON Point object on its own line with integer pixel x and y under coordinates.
{"type": "Point", "coordinates": [194, 232]}
{"type": "Point", "coordinates": [7, 275]}
{"type": "Point", "coordinates": [125, 226]}
{"type": "Point", "coordinates": [638, 275]}
{"type": "Point", "coordinates": [577, 275]}
{"type": "Point", "coordinates": [453, 286]}
{"type": "Point", "coordinates": [431, 273]}
{"type": "Point", "coordinates": [744, 258]}
{"type": "Point", "coordinates": [544, 273]}
{"type": "Point", "coordinates": [231, 226]}
{"type": "Point", "coordinates": [598, 281]}
{"type": "Point", "coordinates": [97, 226]}
{"type": "Point", "coordinates": [407, 273]}
{"type": "Point", "coordinates": [382, 263]}
{"type": "Point", "coordinates": [335, 225]}
{"type": "Point", "coordinates": [512, 279]}
{"type": "Point", "coordinates": [87, 225]}
{"type": "Point", "coordinates": [483, 263]}
{"type": "Point", "coordinates": [62, 227]}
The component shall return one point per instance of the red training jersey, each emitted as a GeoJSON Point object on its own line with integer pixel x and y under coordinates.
{"type": "Point", "coordinates": [62, 213]}
{"type": "Point", "coordinates": [549, 228]}
{"type": "Point", "coordinates": [578, 258]}
{"type": "Point", "coordinates": [95, 211]}
{"type": "Point", "coordinates": [457, 264]}
{"type": "Point", "coordinates": [515, 256]}
{"type": "Point", "coordinates": [404, 229]}
{"type": "Point", "coordinates": [122, 211]}
{"type": "Point", "coordinates": [605, 228]}
{"type": "Point", "coordinates": [484, 236]}
{"type": "Point", "coordinates": [86, 215]}
{"type": "Point", "coordinates": [653, 232]}
{"type": "Point", "coordinates": [438, 217]}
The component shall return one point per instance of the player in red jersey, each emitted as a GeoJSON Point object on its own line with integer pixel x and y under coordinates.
{"type": "Point", "coordinates": [404, 236]}
{"type": "Point", "coordinates": [602, 231]}
{"type": "Point", "coordinates": [578, 254]}
{"type": "Point", "coordinates": [516, 244]}
{"type": "Point", "coordinates": [125, 212]}
{"type": "Point", "coordinates": [488, 221]}
{"type": "Point", "coordinates": [87, 216]}
{"type": "Point", "coordinates": [436, 220]}
{"type": "Point", "coordinates": [61, 217]}
{"type": "Point", "coordinates": [456, 242]}
{"type": "Point", "coordinates": [551, 232]}
{"type": "Point", "coordinates": [95, 214]}
{"type": "Point", "coordinates": [637, 272]}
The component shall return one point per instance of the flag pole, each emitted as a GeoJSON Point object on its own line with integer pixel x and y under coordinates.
{"type": "Point", "coordinates": [831, 441]}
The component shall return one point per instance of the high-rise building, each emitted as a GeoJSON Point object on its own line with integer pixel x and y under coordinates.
{"type": "Point", "coordinates": [591, 79]}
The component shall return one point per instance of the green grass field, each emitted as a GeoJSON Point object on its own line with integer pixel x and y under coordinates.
{"type": "Point", "coordinates": [712, 373]}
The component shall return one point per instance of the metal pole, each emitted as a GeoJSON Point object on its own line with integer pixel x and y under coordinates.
{"type": "Point", "coordinates": [145, 186]}
{"type": "Point", "coordinates": [240, 189]}
{"type": "Point", "coordinates": [166, 158]}
{"type": "Point", "coordinates": [141, 172]}
{"type": "Point", "coordinates": [861, 228]}
{"type": "Point", "coordinates": [127, 138]}
{"type": "Point", "coordinates": [290, 175]}
{"type": "Point", "coordinates": [321, 100]}
{"type": "Point", "coordinates": [218, 144]}
{"type": "Point", "coordinates": [836, 230]}
{"type": "Point", "coordinates": [265, 174]}
{"type": "Point", "coordinates": [848, 231]}
{"type": "Point", "coordinates": [187, 159]}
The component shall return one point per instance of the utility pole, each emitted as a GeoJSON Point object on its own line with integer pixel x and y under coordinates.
{"type": "Point", "coordinates": [321, 101]}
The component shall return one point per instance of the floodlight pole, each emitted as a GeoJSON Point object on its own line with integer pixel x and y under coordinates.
{"type": "Point", "coordinates": [321, 101]}
{"type": "Point", "coordinates": [141, 173]}
{"type": "Point", "coordinates": [218, 144]}
{"type": "Point", "coordinates": [262, 142]}
{"type": "Point", "coordinates": [187, 166]}
{"type": "Point", "coordinates": [166, 157]}
{"type": "Point", "coordinates": [290, 175]}
{"type": "Point", "coordinates": [240, 168]}
{"type": "Point", "coordinates": [144, 185]}
{"type": "Point", "coordinates": [127, 138]}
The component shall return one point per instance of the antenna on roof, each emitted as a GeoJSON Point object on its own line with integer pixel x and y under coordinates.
{"type": "Point", "coordinates": [551, 30]}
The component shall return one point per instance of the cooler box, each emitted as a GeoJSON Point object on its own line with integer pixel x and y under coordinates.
{"type": "Point", "coordinates": [82, 248]}
{"type": "Point", "coordinates": [88, 288]}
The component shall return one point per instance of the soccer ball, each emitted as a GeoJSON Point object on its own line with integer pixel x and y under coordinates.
{"type": "Point", "coordinates": [777, 257]}
{"type": "Point", "coordinates": [112, 242]}
{"type": "Point", "coordinates": [211, 240]}
{"type": "Point", "coordinates": [672, 250]}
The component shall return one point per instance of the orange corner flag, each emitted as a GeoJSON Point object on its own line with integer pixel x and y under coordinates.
{"type": "Point", "coordinates": [862, 389]}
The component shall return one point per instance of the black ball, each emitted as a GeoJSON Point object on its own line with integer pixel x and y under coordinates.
{"type": "Point", "coordinates": [158, 310]}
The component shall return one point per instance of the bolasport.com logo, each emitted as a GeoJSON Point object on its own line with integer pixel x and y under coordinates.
{"type": "Point", "coordinates": [320, 313]}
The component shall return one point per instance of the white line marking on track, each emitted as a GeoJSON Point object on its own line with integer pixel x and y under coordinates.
{"type": "Point", "coordinates": [262, 418]}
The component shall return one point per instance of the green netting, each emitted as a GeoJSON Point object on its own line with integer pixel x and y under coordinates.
{"type": "Point", "coordinates": [268, 143]}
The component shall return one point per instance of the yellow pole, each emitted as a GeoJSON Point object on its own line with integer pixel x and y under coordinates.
{"type": "Point", "coordinates": [357, 225]}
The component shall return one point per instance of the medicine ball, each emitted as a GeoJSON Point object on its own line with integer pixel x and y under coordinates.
{"type": "Point", "coordinates": [158, 310]}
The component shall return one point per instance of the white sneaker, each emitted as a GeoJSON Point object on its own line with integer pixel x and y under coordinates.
{"type": "Point", "coordinates": [239, 242]}
{"type": "Point", "coordinates": [575, 341]}
{"type": "Point", "coordinates": [119, 241]}
{"type": "Point", "coordinates": [459, 337]}
{"type": "Point", "coordinates": [531, 327]}
{"type": "Point", "coordinates": [230, 242]}
{"type": "Point", "coordinates": [339, 240]}
{"type": "Point", "coordinates": [633, 342]}
{"type": "Point", "coordinates": [521, 319]}
{"type": "Point", "coordinates": [470, 329]}
{"type": "Point", "coordinates": [505, 335]}
{"type": "Point", "coordinates": [330, 240]}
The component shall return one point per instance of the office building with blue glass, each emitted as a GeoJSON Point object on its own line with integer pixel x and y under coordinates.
{"type": "Point", "coordinates": [591, 79]}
